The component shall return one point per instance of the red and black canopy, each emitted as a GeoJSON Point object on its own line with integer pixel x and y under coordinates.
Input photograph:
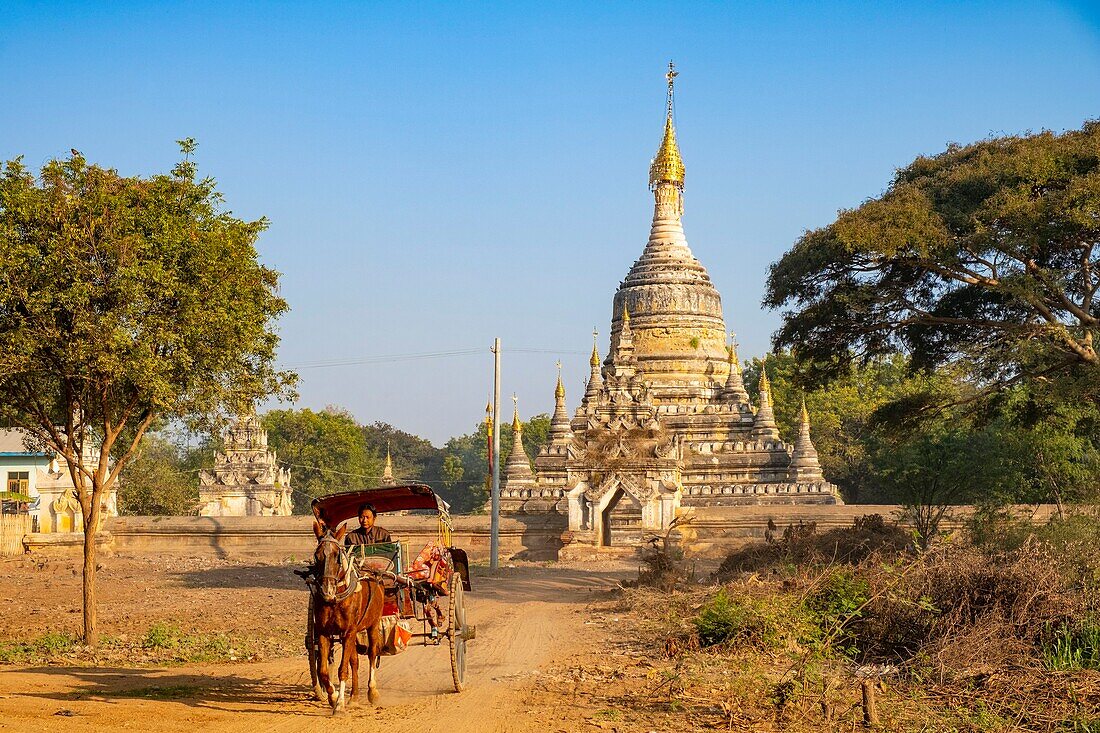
{"type": "Point", "coordinates": [336, 508]}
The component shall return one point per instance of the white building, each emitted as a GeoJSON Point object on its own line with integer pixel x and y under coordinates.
{"type": "Point", "coordinates": [45, 478]}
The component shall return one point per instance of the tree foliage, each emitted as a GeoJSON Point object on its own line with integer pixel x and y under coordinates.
{"type": "Point", "coordinates": [162, 478]}
{"type": "Point", "coordinates": [875, 440]}
{"type": "Point", "coordinates": [414, 458]}
{"type": "Point", "coordinates": [469, 488]}
{"type": "Point", "coordinates": [125, 300]}
{"type": "Point", "coordinates": [985, 256]}
{"type": "Point", "coordinates": [325, 452]}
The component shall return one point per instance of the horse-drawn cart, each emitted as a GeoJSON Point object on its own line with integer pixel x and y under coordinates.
{"type": "Point", "coordinates": [423, 594]}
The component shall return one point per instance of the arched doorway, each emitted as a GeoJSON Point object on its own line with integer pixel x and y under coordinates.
{"type": "Point", "coordinates": [621, 519]}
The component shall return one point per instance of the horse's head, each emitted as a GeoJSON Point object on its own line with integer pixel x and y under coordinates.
{"type": "Point", "coordinates": [330, 559]}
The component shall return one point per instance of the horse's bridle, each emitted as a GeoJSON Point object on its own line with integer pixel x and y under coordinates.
{"type": "Point", "coordinates": [352, 582]}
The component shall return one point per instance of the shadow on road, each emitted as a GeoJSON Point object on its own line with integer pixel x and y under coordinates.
{"type": "Point", "coordinates": [228, 693]}
{"type": "Point", "coordinates": [548, 584]}
{"type": "Point", "coordinates": [280, 577]}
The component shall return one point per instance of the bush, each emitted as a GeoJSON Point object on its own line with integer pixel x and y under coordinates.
{"type": "Point", "coordinates": [758, 622]}
{"type": "Point", "coordinates": [45, 647]}
{"type": "Point", "coordinates": [162, 635]}
{"type": "Point", "coordinates": [836, 604]}
{"type": "Point", "coordinates": [1073, 648]}
{"type": "Point", "coordinates": [801, 544]}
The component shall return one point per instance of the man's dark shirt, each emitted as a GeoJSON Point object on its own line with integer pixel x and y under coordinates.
{"type": "Point", "coordinates": [372, 536]}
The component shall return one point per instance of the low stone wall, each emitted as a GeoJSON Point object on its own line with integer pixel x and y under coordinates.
{"type": "Point", "coordinates": [712, 533]}
{"type": "Point", "coordinates": [527, 538]}
{"type": "Point", "coordinates": [715, 531]}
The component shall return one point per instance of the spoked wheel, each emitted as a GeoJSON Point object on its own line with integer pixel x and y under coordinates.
{"type": "Point", "coordinates": [458, 632]}
{"type": "Point", "coordinates": [313, 653]}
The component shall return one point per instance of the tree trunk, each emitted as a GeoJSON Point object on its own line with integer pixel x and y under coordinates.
{"type": "Point", "coordinates": [89, 586]}
{"type": "Point", "coordinates": [91, 528]}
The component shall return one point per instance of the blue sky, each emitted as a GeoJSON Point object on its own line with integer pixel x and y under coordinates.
{"type": "Point", "coordinates": [440, 174]}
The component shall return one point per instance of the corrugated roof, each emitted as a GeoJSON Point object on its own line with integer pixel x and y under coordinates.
{"type": "Point", "coordinates": [11, 441]}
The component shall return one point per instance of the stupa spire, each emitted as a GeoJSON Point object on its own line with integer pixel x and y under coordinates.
{"type": "Point", "coordinates": [595, 380]}
{"type": "Point", "coordinates": [734, 390]}
{"type": "Point", "coordinates": [763, 425]}
{"type": "Point", "coordinates": [804, 462]}
{"type": "Point", "coordinates": [518, 469]}
{"type": "Point", "coordinates": [559, 424]}
{"type": "Point", "coordinates": [387, 471]}
{"type": "Point", "coordinates": [666, 180]}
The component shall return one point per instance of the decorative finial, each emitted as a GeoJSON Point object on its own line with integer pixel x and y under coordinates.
{"type": "Point", "coordinates": [764, 386]}
{"type": "Point", "coordinates": [805, 414]}
{"type": "Point", "coordinates": [671, 76]}
{"type": "Point", "coordinates": [517, 426]}
{"type": "Point", "coordinates": [595, 360]}
{"type": "Point", "coordinates": [559, 390]}
{"type": "Point", "coordinates": [626, 315]}
{"type": "Point", "coordinates": [668, 166]}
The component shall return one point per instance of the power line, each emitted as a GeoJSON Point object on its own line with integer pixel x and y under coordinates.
{"type": "Point", "coordinates": [394, 358]}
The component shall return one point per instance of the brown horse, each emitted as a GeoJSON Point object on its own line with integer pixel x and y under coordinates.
{"type": "Point", "coordinates": [344, 603]}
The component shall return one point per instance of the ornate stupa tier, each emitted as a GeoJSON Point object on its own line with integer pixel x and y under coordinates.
{"type": "Point", "coordinates": [676, 313]}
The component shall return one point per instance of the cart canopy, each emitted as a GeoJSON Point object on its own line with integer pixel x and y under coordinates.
{"type": "Point", "coordinates": [336, 508]}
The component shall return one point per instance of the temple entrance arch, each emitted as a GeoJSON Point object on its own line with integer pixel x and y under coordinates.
{"type": "Point", "coordinates": [623, 513]}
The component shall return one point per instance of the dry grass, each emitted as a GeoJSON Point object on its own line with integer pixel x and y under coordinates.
{"type": "Point", "coordinates": [958, 638]}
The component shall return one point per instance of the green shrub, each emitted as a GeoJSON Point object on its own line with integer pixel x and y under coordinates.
{"type": "Point", "coordinates": [1073, 648]}
{"type": "Point", "coordinates": [760, 622]}
{"type": "Point", "coordinates": [162, 635]}
{"type": "Point", "coordinates": [48, 645]}
{"type": "Point", "coordinates": [836, 604]}
{"type": "Point", "coordinates": [719, 621]}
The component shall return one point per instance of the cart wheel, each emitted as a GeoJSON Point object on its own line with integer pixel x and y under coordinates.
{"type": "Point", "coordinates": [457, 622]}
{"type": "Point", "coordinates": [312, 653]}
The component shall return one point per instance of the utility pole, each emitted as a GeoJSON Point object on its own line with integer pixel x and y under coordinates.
{"type": "Point", "coordinates": [494, 526]}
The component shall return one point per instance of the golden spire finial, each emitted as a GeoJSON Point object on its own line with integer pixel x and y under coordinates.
{"type": "Point", "coordinates": [626, 315]}
{"type": "Point", "coordinates": [387, 472]}
{"type": "Point", "coordinates": [517, 426]}
{"type": "Point", "coordinates": [764, 386]}
{"type": "Point", "coordinates": [559, 390]}
{"type": "Point", "coordinates": [595, 360]}
{"type": "Point", "coordinates": [805, 414]}
{"type": "Point", "coordinates": [668, 166]}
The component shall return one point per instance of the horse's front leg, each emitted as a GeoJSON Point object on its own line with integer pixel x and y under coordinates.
{"type": "Point", "coordinates": [374, 651]}
{"type": "Point", "coordinates": [324, 649]}
{"type": "Point", "coordinates": [347, 653]}
{"type": "Point", "coordinates": [354, 700]}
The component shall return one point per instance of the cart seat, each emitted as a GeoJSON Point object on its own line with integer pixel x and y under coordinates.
{"type": "Point", "coordinates": [381, 556]}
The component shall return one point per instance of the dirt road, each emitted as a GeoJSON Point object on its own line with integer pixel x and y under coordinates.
{"type": "Point", "coordinates": [528, 619]}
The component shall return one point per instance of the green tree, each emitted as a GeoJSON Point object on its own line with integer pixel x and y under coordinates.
{"type": "Point", "coordinates": [986, 256]}
{"type": "Point", "coordinates": [158, 481]}
{"type": "Point", "coordinates": [453, 470]}
{"type": "Point", "coordinates": [943, 465]}
{"type": "Point", "coordinates": [414, 458]}
{"type": "Point", "coordinates": [324, 450]}
{"type": "Point", "coordinates": [124, 301]}
{"type": "Point", "coordinates": [844, 412]}
{"type": "Point", "coordinates": [471, 491]}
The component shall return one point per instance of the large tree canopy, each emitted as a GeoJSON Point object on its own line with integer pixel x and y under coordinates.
{"type": "Point", "coordinates": [124, 301]}
{"type": "Point", "coordinates": [987, 256]}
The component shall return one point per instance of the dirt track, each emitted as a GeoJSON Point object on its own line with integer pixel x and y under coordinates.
{"type": "Point", "coordinates": [528, 619]}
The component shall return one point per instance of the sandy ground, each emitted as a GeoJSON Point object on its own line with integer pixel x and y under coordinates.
{"type": "Point", "coordinates": [532, 621]}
